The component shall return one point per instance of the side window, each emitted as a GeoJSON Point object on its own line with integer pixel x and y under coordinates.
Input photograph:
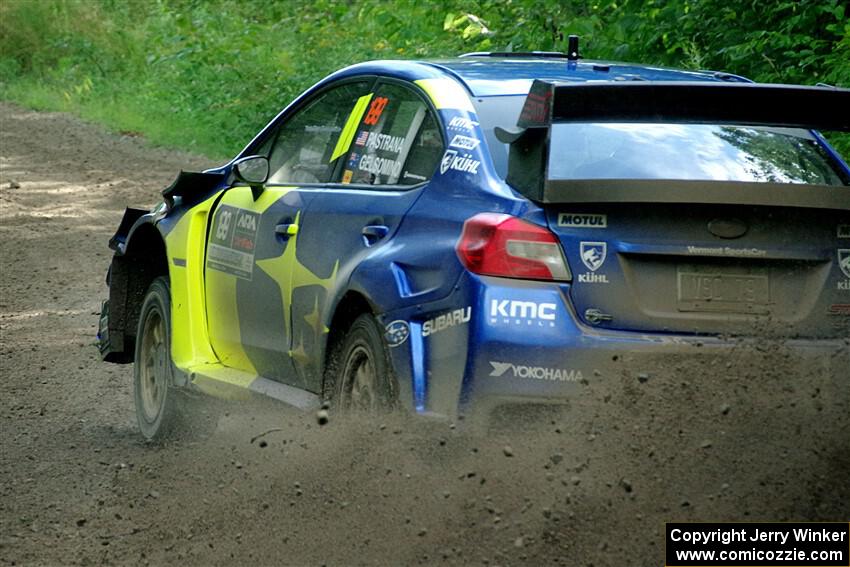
{"type": "Point", "coordinates": [302, 150]}
{"type": "Point", "coordinates": [397, 142]}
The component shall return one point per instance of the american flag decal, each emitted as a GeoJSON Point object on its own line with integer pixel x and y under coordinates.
{"type": "Point", "coordinates": [361, 138]}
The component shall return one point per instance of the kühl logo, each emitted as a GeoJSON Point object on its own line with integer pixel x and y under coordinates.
{"type": "Point", "coordinates": [593, 254]}
{"type": "Point", "coordinates": [844, 261]}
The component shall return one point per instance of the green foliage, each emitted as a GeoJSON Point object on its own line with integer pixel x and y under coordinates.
{"type": "Point", "coordinates": [208, 74]}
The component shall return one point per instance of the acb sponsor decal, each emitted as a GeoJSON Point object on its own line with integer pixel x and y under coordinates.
{"type": "Point", "coordinates": [233, 240]}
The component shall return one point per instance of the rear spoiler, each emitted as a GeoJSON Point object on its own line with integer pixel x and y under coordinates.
{"type": "Point", "coordinates": [675, 102]}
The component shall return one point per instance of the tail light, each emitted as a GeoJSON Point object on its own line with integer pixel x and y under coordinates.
{"type": "Point", "coordinates": [501, 245]}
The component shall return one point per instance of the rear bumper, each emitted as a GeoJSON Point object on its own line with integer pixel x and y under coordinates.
{"type": "Point", "coordinates": [496, 341]}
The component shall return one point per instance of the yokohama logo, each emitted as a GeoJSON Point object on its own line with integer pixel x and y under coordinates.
{"type": "Point", "coordinates": [535, 372]}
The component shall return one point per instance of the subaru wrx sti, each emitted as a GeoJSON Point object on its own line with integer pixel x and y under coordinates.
{"type": "Point", "coordinates": [486, 230]}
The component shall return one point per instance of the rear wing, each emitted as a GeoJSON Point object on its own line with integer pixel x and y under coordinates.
{"type": "Point", "coordinates": [677, 102]}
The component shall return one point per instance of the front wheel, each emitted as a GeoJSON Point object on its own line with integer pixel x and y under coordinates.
{"type": "Point", "coordinates": [364, 380]}
{"type": "Point", "coordinates": [153, 372]}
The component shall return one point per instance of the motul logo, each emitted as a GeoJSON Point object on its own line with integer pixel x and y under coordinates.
{"type": "Point", "coordinates": [582, 220]}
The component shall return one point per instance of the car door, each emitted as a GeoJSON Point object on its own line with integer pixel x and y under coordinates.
{"type": "Point", "coordinates": [252, 263]}
{"type": "Point", "coordinates": [395, 146]}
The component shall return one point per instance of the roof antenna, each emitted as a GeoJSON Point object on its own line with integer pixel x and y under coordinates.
{"type": "Point", "coordinates": [572, 48]}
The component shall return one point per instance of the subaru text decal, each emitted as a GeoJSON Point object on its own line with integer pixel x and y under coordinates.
{"type": "Point", "coordinates": [575, 220]}
{"type": "Point", "coordinates": [445, 321]}
{"type": "Point", "coordinates": [397, 333]}
{"type": "Point", "coordinates": [844, 231]}
{"type": "Point", "coordinates": [527, 313]}
{"type": "Point", "coordinates": [535, 372]}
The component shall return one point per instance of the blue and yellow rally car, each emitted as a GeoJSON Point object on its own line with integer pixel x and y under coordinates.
{"type": "Point", "coordinates": [496, 228]}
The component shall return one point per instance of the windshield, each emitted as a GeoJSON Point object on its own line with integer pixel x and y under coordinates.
{"type": "Point", "coordinates": [704, 152]}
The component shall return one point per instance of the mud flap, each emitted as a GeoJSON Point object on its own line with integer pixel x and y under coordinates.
{"type": "Point", "coordinates": [107, 351]}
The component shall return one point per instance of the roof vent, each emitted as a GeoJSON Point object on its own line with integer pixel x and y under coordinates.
{"type": "Point", "coordinates": [572, 48]}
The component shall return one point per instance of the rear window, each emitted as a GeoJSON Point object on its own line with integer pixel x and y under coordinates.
{"type": "Point", "coordinates": [669, 151]}
{"type": "Point", "coordinates": [689, 151]}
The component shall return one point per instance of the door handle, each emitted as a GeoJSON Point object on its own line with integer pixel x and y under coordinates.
{"type": "Point", "coordinates": [373, 233]}
{"type": "Point", "coordinates": [286, 229]}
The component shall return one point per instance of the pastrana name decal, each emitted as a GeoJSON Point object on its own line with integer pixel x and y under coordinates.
{"type": "Point", "coordinates": [377, 141]}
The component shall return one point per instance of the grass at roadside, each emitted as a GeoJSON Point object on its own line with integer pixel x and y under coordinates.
{"type": "Point", "coordinates": [122, 114]}
{"type": "Point", "coordinates": [206, 75]}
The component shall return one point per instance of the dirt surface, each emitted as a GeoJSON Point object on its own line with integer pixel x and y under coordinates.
{"type": "Point", "coordinates": [760, 433]}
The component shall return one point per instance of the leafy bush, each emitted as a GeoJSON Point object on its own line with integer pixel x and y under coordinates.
{"type": "Point", "coordinates": [207, 74]}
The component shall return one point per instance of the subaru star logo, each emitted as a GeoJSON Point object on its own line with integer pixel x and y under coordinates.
{"type": "Point", "coordinates": [844, 261]}
{"type": "Point", "coordinates": [593, 254]}
{"type": "Point", "coordinates": [397, 333]}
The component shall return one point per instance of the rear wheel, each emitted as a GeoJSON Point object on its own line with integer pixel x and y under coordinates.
{"type": "Point", "coordinates": [364, 380]}
{"type": "Point", "coordinates": [153, 372]}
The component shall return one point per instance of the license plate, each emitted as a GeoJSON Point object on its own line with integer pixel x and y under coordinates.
{"type": "Point", "coordinates": [717, 291]}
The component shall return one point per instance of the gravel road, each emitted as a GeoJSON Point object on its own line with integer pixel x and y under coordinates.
{"type": "Point", "coordinates": [758, 434]}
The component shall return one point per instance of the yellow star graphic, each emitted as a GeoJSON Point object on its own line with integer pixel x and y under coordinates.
{"type": "Point", "coordinates": [313, 319]}
{"type": "Point", "coordinates": [300, 353]}
{"type": "Point", "coordinates": [290, 274]}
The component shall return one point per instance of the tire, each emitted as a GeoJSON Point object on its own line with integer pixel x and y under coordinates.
{"type": "Point", "coordinates": [153, 371]}
{"type": "Point", "coordinates": [362, 375]}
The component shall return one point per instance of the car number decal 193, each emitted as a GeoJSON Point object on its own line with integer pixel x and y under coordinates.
{"type": "Point", "coordinates": [232, 241]}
